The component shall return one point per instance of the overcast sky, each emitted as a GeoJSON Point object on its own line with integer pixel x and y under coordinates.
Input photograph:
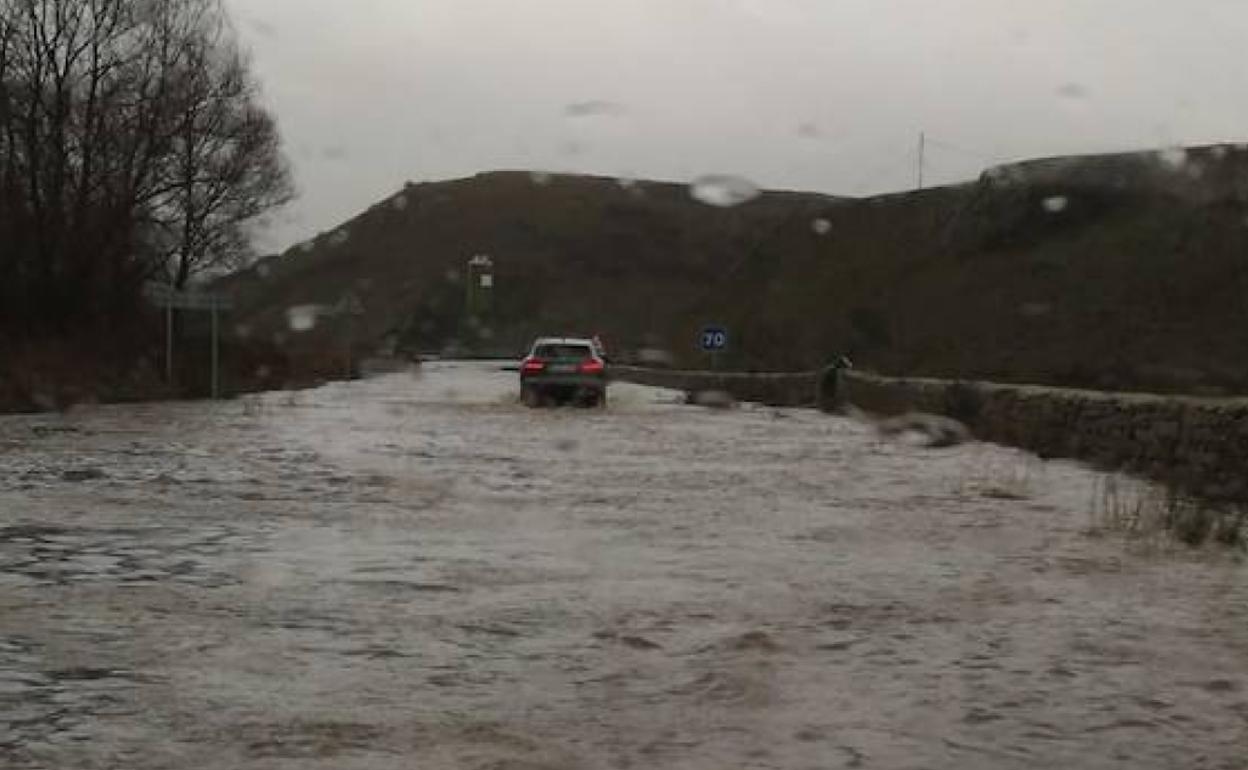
{"type": "Point", "coordinates": [824, 95]}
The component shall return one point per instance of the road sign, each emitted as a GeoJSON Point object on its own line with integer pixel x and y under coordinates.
{"type": "Point", "coordinates": [166, 296]}
{"type": "Point", "coordinates": [713, 338]}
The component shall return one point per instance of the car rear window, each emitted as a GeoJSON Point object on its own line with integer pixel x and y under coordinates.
{"type": "Point", "coordinates": [564, 351]}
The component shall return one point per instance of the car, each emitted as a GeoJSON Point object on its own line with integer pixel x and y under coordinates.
{"type": "Point", "coordinates": [563, 370]}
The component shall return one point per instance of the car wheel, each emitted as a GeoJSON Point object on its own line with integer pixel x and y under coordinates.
{"type": "Point", "coordinates": [531, 397]}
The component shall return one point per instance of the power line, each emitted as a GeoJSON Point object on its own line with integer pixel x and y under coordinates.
{"type": "Point", "coordinates": [916, 160]}
{"type": "Point", "coordinates": [899, 166]}
{"type": "Point", "coordinates": [960, 149]}
{"type": "Point", "coordinates": [926, 140]}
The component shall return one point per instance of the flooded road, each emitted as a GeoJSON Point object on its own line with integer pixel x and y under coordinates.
{"type": "Point", "coordinates": [418, 572]}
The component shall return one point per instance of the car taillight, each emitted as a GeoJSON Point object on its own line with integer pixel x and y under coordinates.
{"type": "Point", "coordinates": [532, 366]}
{"type": "Point", "coordinates": [591, 367]}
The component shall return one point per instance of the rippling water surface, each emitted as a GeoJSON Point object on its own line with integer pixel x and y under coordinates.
{"type": "Point", "coordinates": [414, 571]}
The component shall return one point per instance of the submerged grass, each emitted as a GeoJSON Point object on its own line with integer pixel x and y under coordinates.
{"type": "Point", "coordinates": [1154, 513]}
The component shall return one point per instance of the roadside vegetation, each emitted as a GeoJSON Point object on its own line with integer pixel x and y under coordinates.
{"type": "Point", "coordinates": [1154, 514]}
{"type": "Point", "coordinates": [133, 148]}
{"type": "Point", "coordinates": [1147, 513]}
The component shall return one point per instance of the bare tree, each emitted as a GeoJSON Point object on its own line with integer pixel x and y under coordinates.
{"type": "Point", "coordinates": [225, 168]}
{"type": "Point", "coordinates": [132, 144]}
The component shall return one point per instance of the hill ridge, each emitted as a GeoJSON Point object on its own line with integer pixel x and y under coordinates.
{"type": "Point", "coordinates": [1117, 270]}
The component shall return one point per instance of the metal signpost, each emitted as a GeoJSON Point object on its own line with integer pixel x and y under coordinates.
{"type": "Point", "coordinates": [166, 296]}
{"type": "Point", "coordinates": [352, 309]}
{"type": "Point", "coordinates": [713, 339]}
{"type": "Point", "coordinates": [480, 285]}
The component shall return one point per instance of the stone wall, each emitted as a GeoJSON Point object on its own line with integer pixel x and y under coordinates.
{"type": "Point", "coordinates": [1200, 444]}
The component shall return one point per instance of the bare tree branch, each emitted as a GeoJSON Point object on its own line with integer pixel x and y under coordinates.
{"type": "Point", "coordinates": [132, 143]}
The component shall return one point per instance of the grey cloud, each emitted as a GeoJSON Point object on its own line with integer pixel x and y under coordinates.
{"type": "Point", "coordinates": [740, 87]}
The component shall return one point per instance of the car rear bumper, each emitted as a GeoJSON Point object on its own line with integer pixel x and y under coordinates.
{"type": "Point", "coordinates": [564, 381]}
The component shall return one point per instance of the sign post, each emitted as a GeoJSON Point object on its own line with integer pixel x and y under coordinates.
{"type": "Point", "coordinates": [351, 307]}
{"type": "Point", "coordinates": [216, 355]}
{"type": "Point", "coordinates": [168, 343]}
{"type": "Point", "coordinates": [713, 339]}
{"type": "Point", "coordinates": [166, 296]}
{"type": "Point", "coordinates": [480, 285]}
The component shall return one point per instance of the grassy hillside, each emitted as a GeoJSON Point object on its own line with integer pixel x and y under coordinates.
{"type": "Point", "coordinates": [572, 255]}
{"type": "Point", "coordinates": [1126, 271]}
{"type": "Point", "coordinates": [1122, 272]}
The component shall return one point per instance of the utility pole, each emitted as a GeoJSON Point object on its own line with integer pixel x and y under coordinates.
{"type": "Point", "coordinates": [480, 285]}
{"type": "Point", "coordinates": [169, 338]}
{"type": "Point", "coordinates": [216, 351]}
{"type": "Point", "coordinates": [351, 307]}
{"type": "Point", "coordinates": [922, 152]}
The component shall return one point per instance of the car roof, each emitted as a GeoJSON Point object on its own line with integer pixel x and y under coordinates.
{"type": "Point", "coordinates": [563, 341]}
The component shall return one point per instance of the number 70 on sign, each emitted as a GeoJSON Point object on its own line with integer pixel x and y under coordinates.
{"type": "Point", "coordinates": [713, 338]}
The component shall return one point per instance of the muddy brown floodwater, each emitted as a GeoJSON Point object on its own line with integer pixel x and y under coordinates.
{"type": "Point", "coordinates": [417, 572]}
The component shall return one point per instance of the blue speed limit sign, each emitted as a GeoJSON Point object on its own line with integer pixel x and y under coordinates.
{"type": "Point", "coordinates": [713, 338]}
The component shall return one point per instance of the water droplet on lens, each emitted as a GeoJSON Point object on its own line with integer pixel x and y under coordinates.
{"type": "Point", "coordinates": [1056, 204]}
{"type": "Point", "coordinates": [263, 28]}
{"type": "Point", "coordinates": [1005, 175]}
{"type": "Point", "coordinates": [1173, 157]}
{"type": "Point", "coordinates": [301, 318]}
{"type": "Point", "coordinates": [1072, 91]}
{"type": "Point", "coordinates": [632, 186]}
{"type": "Point", "coordinates": [723, 190]}
{"type": "Point", "coordinates": [821, 226]}
{"type": "Point", "coordinates": [593, 108]}
{"type": "Point", "coordinates": [400, 203]}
